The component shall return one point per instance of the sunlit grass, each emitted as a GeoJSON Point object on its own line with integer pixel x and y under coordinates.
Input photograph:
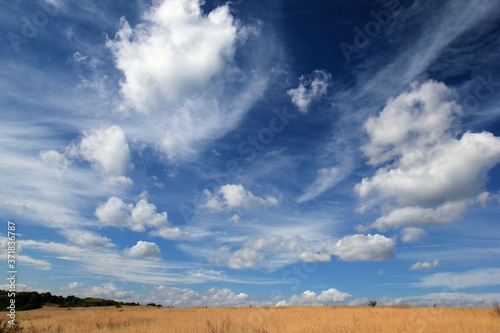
{"type": "Point", "coordinates": [260, 320]}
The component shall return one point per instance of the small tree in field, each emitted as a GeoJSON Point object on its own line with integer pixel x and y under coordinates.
{"type": "Point", "coordinates": [372, 303]}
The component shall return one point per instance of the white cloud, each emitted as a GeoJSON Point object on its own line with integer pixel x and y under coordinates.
{"type": "Point", "coordinates": [276, 251]}
{"type": "Point", "coordinates": [431, 175]}
{"type": "Point", "coordinates": [181, 77]}
{"type": "Point", "coordinates": [21, 287]}
{"type": "Point", "coordinates": [326, 179]}
{"type": "Point", "coordinates": [412, 235]}
{"type": "Point", "coordinates": [235, 218]}
{"type": "Point", "coordinates": [118, 181]}
{"type": "Point", "coordinates": [54, 159]}
{"type": "Point", "coordinates": [171, 296]}
{"type": "Point", "coordinates": [24, 259]}
{"type": "Point", "coordinates": [114, 212]}
{"type": "Point", "coordinates": [425, 265]}
{"type": "Point", "coordinates": [146, 250]}
{"type": "Point", "coordinates": [88, 239]}
{"type": "Point", "coordinates": [144, 215]}
{"type": "Point", "coordinates": [177, 47]}
{"type": "Point", "coordinates": [416, 119]}
{"type": "Point", "coordinates": [445, 299]}
{"type": "Point", "coordinates": [475, 278]}
{"type": "Point", "coordinates": [232, 196]}
{"type": "Point", "coordinates": [138, 217]}
{"type": "Point", "coordinates": [451, 170]}
{"type": "Point", "coordinates": [171, 233]}
{"type": "Point", "coordinates": [254, 252]}
{"type": "Point", "coordinates": [75, 285]}
{"type": "Point", "coordinates": [310, 88]}
{"type": "Point", "coordinates": [243, 258]}
{"type": "Point", "coordinates": [363, 248]}
{"type": "Point", "coordinates": [413, 216]}
{"type": "Point", "coordinates": [109, 263]}
{"type": "Point", "coordinates": [308, 297]}
{"type": "Point", "coordinates": [107, 150]}
{"type": "Point", "coordinates": [40, 184]}
{"type": "Point", "coordinates": [36, 263]}
{"type": "Point", "coordinates": [105, 291]}
{"type": "Point", "coordinates": [307, 256]}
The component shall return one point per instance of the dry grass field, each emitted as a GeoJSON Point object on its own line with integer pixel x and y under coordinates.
{"type": "Point", "coordinates": [259, 320]}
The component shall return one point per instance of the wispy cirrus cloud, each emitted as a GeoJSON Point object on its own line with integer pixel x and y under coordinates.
{"type": "Point", "coordinates": [326, 179]}
{"type": "Point", "coordinates": [481, 277]}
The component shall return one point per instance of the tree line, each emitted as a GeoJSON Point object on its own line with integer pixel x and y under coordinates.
{"type": "Point", "coordinates": [29, 300]}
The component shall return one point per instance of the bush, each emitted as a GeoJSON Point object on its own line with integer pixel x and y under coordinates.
{"type": "Point", "coordinates": [372, 303]}
{"type": "Point", "coordinates": [496, 309]}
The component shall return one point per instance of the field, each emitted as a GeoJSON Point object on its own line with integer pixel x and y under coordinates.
{"type": "Point", "coordinates": [259, 320]}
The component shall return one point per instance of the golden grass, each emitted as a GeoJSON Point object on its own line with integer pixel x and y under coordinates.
{"type": "Point", "coordinates": [260, 320]}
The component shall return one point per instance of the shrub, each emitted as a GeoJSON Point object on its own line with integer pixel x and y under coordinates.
{"type": "Point", "coordinates": [496, 308]}
{"type": "Point", "coordinates": [372, 303]}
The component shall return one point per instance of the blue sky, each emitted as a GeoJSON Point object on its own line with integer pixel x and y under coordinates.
{"type": "Point", "coordinates": [271, 153]}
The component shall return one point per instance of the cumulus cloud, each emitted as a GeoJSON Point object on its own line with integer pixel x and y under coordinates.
{"type": "Point", "coordinates": [310, 88]}
{"type": "Point", "coordinates": [139, 217]}
{"type": "Point", "coordinates": [146, 250]}
{"type": "Point", "coordinates": [180, 74]}
{"type": "Point", "coordinates": [171, 233]}
{"type": "Point", "coordinates": [412, 235]}
{"type": "Point", "coordinates": [276, 251]}
{"type": "Point", "coordinates": [177, 297]}
{"type": "Point", "coordinates": [428, 171]}
{"type": "Point", "coordinates": [75, 285]}
{"type": "Point", "coordinates": [231, 196]}
{"type": "Point", "coordinates": [364, 248]}
{"type": "Point", "coordinates": [108, 152]}
{"type": "Point", "coordinates": [308, 297]}
{"type": "Point", "coordinates": [113, 212]}
{"type": "Point", "coordinates": [177, 44]}
{"type": "Point", "coordinates": [88, 239]}
{"type": "Point", "coordinates": [418, 216]}
{"type": "Point", "coordinates": [425, 265]}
